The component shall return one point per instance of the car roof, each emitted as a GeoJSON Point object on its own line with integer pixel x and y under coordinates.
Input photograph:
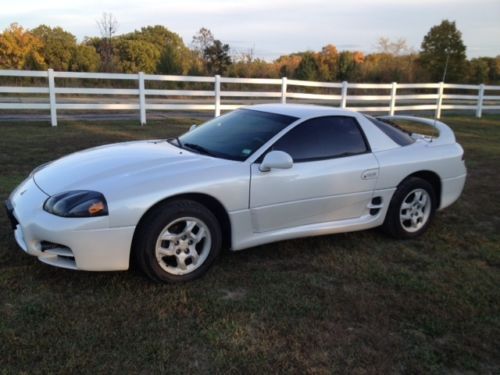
{"type": "Point", "coordinates": [301, 110]}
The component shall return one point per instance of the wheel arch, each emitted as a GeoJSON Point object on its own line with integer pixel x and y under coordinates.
{"type": "Point", "coordinates": [213, 204]}
{"type": "Point", "coordinates": [432, 178]}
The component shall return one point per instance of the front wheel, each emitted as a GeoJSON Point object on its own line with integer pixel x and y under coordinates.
{"type": "Point", "coordinates": [177, 241]}
{"type": "Point", "coordinates": [411, 209]}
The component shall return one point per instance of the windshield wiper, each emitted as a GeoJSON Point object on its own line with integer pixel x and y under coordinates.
{"type": "Point", "coordinates": [199, 149]}
{"type": "Point", "coordinates": [179, 143]}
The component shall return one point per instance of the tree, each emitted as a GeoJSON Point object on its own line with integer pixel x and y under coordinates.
{"type": "Point", "coordinates": [308, 68]}
{"type": "Point", "coordinates": [171, 61]}
{"type": "Point", "coordinates": [494, 75]}
{"type": "Point", "coordinates": [349, 62]}
{"type": "Point", "coordinates": [394, 61]}
{"type": "Point", "coordinates": [108, 26]}
{"type": "Point", "coordinates": [255, 68]}
{"type": "Point", "coordinates": [20, 49]}
{"type": "Point", "coordinates": [478, 71]}
{"type": "Point", "coordinates": [217, 57]}
{"type": "Point", "coordinates": [202, 40]}
{"type": "Point", "coordinates": [157, 35]}
{"type": "Point", "coordinates": [287, 64]}
{"type": "Point", "coordinates": [136, 56]}
{"type": "Point", "coordinates": [58, 46]}
{"type": "Point", "coordinates": [173, 55]}
{"type": "Point", "coordinates": [328, 62]}
{"type": "Point", "coordinates": [85, 59]}
{"type": "Point", "coordinates": [395, 48]}
{"type": "Point", "coordinates": [443, 52]}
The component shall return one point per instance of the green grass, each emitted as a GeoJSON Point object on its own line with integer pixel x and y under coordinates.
{"type": "Point", "coordinates": [349, 303]}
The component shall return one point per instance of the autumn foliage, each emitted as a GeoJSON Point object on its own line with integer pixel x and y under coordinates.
{"type": "Point", "coordinates": [156, 49]}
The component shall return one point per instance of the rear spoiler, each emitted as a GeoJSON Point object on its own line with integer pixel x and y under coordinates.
{"type": "Point", "coordinates": [446, 135]}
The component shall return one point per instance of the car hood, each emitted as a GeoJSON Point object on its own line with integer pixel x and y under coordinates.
{"type": "Point", "coordinates": [119, 165]}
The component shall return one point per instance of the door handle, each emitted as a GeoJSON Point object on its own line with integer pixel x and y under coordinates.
{"type": "Point", "coordinates": [369, 174]}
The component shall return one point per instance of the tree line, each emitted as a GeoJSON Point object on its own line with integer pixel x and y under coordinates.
{"type": "Point", "coordinates": [156, 49]}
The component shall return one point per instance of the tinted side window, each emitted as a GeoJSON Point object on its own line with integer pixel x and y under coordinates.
{"type": "Point", "coordinates": [397, 135]}
{"type": "Point", "coordinates": [323, 138]}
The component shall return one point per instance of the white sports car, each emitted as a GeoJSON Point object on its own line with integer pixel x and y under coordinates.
{"type": "Point", "coordinates": [256, 175]}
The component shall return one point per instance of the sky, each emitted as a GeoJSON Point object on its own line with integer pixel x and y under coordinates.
{"type": "Point", "coordinates": [275, 27]}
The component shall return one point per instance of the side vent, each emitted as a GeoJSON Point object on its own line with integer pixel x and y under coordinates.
{"type": "Point", "coordinates": [375, 205]}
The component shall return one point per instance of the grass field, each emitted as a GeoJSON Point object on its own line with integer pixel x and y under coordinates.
{"type": "Point", "coordinates": [351, 303]}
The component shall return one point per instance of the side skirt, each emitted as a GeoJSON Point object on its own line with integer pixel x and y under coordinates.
{"type": "Point", "coordinates": [244, 237]}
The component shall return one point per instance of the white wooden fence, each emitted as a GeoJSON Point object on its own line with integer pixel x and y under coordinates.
{"type": "Point", "coordinates": [442, 96]}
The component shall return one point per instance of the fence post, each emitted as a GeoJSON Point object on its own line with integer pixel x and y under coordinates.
{"type": "Point", "coordinates": [52, 97]}
{"type": "Point", "coordinates": [479, 109]}
{"type": "Point", "coordinates": [439, 101]}
{"type": "Point", "coordinates": [217, 95]}
{"type": "Point", "coordinates": [393, 98]}
{"type": "Point", "coordinates": [142, 99]}
{"type": "Point", "coordinates": [283, 89]}
{"type": "Point", "coordinates": [343, 100]}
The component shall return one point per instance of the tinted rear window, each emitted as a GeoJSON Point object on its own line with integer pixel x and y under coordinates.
{"type": "Point", "coordinates": [397, 135]}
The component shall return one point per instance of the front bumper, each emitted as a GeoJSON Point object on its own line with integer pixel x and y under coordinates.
{"type": "Point", "coordinates": [75, 243]}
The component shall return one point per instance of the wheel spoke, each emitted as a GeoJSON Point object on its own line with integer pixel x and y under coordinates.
{"type": "Point", "coordinates": [181, 261]}
{"type": "Point", "coordinates": [166, 251]}
{"type": "Point", "coordinates": [167, 236]}
{"type": "Point", "coordinates": [418, 196]}
{"type": "Point", "coordinates": [414, 222]}
{"type": "Point", "coordinates": [194, 255]}
{"type": "Point", "coordinates": [189, 227]}
{"type": "Point", "coordinates": [200, 235]}
{"type": "Point", "coordinates": [405, 206]}
{"type": "Point", "coordinates": [406, 216]}
{"type": "Point", "coordinates": [423, 199]}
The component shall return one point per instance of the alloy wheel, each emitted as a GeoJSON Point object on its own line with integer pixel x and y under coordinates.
{"type": "Point", "coordinates": [183, 245]}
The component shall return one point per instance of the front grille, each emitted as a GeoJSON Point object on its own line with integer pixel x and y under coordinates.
{"type": "Point", "coordinates": [10, 214]}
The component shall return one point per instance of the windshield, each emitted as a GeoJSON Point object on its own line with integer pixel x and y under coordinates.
{"type": "Point", "coordinates": [235, 135]}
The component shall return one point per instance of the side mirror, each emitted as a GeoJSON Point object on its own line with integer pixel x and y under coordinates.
{"type": "Point", "coordinates": [276, 159]}
{"type": "Point", "coordinates": [194, 126]}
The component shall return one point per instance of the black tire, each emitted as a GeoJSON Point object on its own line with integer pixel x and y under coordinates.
{"type": "Point", "coordinates": [155, 223]}
{"type": "Point", "coordinates": [392, 223]}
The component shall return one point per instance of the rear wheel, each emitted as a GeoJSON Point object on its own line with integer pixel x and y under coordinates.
{"type": "Point", "coordinates": [177, 241]}
{"type": "Point", "coordinates": [411, 209]}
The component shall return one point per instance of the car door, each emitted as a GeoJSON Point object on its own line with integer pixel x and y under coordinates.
{"type": "Point", "coordinates": [332, 178]}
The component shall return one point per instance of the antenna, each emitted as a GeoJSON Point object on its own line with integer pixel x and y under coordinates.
{"type": "Point", "coordinates": [447, 50]}
{"type": "Point", "coordinates": [446, 64]}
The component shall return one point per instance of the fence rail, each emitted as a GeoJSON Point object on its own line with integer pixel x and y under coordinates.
{"type": "Point", "coordinates": [443, 96]}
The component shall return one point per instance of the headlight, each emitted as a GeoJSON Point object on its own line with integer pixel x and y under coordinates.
{"type": "Point", "coordinates": [78, 203]}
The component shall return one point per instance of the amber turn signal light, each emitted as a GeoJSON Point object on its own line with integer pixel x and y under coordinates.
{"type": "Point", "coordinates": [96, 208]}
